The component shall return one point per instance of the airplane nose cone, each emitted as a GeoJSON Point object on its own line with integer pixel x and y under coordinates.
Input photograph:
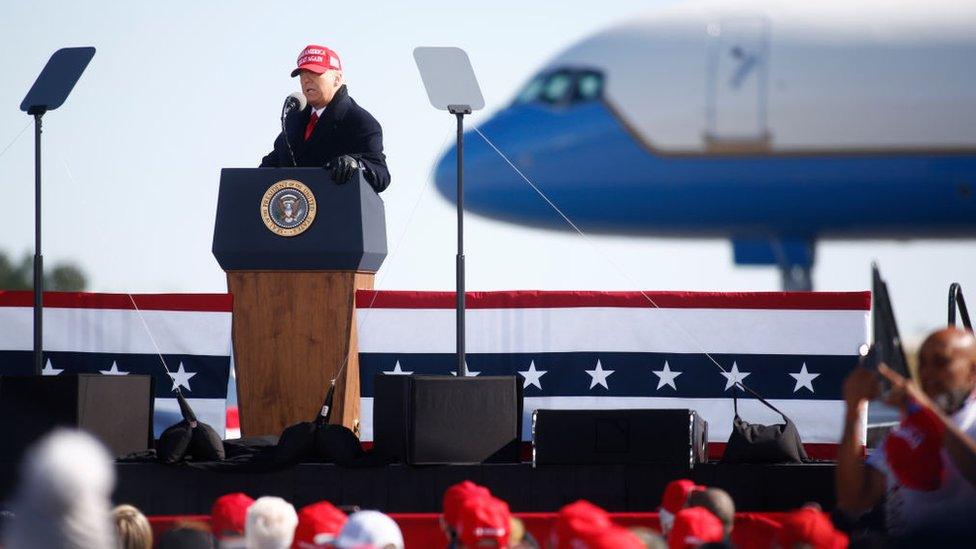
{"type": "Point", "coordinates": [483, 170]}
{"type": "Point", "coordinates": [487, 177]}
{"type": "Point", "coordinates": [492, 187]}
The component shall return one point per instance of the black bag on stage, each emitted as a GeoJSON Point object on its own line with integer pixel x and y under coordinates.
{"type": "Point", "coordinates": [321, 441]}
{"type": "Point", "coordinates": [318, 442]}
{"type": "Point", "coordinates": [173, 442]}
{"type": "Point", "coordinates": [206, 444]}
{"type": "Point", "coordinates": [296, 444]}
{"type": "Point", "coordinates": [756, 443]}
{"type": "Point", "coordinates": [338, 444]}
{"type": "Point", "coordinates": [189, 438]}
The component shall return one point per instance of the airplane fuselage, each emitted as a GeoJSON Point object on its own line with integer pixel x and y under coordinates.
{"type": "Point", "coordinates": [603, 179]}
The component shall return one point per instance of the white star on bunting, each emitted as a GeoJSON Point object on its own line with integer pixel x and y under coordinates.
{"type": "Point", "coordinates": [397, 371]}
{"type": "Point", "coordinates": [666, 377]}
{"type": "Point", "coordinates": [181, 378]}
{"type": "Point", "coordinates": [532, 376]}
{"type": "Point", "coordinates": [804, 379]}
{"type": "Point", "coordinates": [734, 376]}
{"type": "Point", "coordinates": [113, 371]}
{"type": "Point", "coordinates": [50, 370]}
{"type": "Point", "coordinates": [599, 376]}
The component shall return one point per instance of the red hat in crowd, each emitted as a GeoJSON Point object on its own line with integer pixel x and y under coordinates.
{"type": "Point", "coordinates": [576, 521]}
{"type": "Point", "coordinates": [914, 449]}
{"type": "Point", "coordinates": [228, 514]}
{"type": "Point", "coordinates": [614, 537]}
{"type": "Point", "coordinates": [811, 527]}
{"type": "Point", "coordinates": [484, 519]}
{"type": "Point", "coordinates": [454, 498]}
{"type": "Point", "coordinates": [693, 527]}
{"type": "Point", "coordinates": [675, 496]}
{"type": "Point", "coordinates": [317, 59]}
{"type": "Point", "coordinates": [318, 526]}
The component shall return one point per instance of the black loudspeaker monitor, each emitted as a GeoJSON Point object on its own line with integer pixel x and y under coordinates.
{"type": "Point", "coordinates": [117, 410]}
{"type": "Point", "coordinates": [443, 420]}
{"type": "Point", "coordinates": [585, 437]}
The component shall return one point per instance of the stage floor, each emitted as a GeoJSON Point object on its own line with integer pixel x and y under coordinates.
{"type": "Point", "coordinates": [164, 490]}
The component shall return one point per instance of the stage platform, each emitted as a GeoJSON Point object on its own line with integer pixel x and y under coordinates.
{"type": "Point", "coordinates": [163, 490]}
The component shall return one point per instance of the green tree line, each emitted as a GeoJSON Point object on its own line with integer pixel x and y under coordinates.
{"type": "Point", "coordinates": [59, 277]}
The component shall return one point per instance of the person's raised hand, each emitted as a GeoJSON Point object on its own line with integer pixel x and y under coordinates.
{"type": "Point", "coordinates": [904, 391]}
{"type": "Point", "coordinates": [860, 386]}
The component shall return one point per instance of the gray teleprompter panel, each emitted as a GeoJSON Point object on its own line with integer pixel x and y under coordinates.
{"type": "Point", "coordinates": [448, 77]}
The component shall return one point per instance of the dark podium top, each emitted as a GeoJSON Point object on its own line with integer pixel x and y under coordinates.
{"type": "Point", "coordinates": [348, 232]}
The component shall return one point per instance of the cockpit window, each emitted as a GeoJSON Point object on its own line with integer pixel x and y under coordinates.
{"type": "Point", "coordinates": [589, 86]}
{"type": "Point", "coordinates": [532, 90]}
{"type": "Point", "coordinates": [558, 88]}
{"type": "Point", "coordinates": [563, 87]}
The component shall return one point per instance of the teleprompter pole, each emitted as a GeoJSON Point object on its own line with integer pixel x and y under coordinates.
{"type": "Point", "coordinates": [49, 91]}
{"type": "Point", "coordinates": [38, 258]}
{"type": "Point", "coordinates": [459, 111]}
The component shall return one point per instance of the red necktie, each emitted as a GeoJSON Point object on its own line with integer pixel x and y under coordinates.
{"type": "Point", "coordinates": [311, 125]}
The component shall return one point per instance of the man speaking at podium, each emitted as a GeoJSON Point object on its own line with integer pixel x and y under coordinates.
{"type": "Point", "coordinates": [332, 131]}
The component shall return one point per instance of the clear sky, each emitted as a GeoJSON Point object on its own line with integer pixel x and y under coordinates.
{"type": "Point", "coordinates": [181, 89]}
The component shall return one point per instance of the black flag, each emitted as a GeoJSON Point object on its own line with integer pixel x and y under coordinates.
{"type": "Point", "coordinates": [887, 347]}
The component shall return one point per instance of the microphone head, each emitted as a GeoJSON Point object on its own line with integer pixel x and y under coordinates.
{"type": "Point", "coordinates": [296, 101]}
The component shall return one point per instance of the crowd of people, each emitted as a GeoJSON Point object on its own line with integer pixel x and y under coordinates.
{"type": "Point", "coordinates": [64, 502]}
{"type": "Point", "coordinates": [923, 476]}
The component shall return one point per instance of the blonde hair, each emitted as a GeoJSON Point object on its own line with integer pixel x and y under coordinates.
{"type": "Point", "coordinates": [517, 530]}
{"type": "Point", "coordinates": [133, 527]}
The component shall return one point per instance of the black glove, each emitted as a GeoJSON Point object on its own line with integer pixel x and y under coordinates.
{"type": "Point", "coordinates": [342, 168]}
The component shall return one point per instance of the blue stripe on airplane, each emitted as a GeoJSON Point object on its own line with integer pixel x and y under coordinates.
{"type": "Point", "coordinates": [602, 178]}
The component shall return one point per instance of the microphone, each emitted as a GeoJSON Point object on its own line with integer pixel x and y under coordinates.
{"type": "Point", "coordinates": [294, 102]}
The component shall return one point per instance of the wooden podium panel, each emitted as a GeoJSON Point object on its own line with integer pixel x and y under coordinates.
{"type": "Point", "coordinates": [292, 333]}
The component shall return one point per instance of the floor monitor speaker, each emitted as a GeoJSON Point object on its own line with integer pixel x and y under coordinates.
{"type": "Point", "coordinates": [441, 419]}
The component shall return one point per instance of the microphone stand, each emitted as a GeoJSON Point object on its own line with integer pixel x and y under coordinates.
{"type": "Point", "coordinates": [288, 107]}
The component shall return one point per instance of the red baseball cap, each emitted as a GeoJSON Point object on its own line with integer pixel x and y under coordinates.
{"type": "Point", "coordinates": [676, 494]}
{"type": "Point", "coordinates": [228, 514]}
{"type": "Point", "coordinates": [914, 450]}
{"type": "Point", "coordinates": [675, 497]}
{"type": "Point", "coordinates": [576, 521]}
{"type": "Point", "coordinates": [318, 526]}
{"type": "Point", "coordinates": [812, 527]}
{"type": "Point", "coordinates": [317, 59]}
{"type": "Point", "coordinates": [693, 527]}
{"type": "Point", "coordinates": [484, 519]}
{"type": "Point", "coordinates": [454, 498]}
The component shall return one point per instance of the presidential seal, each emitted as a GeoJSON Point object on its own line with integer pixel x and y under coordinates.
{"type": "Point", "coordinates": [288, 208]}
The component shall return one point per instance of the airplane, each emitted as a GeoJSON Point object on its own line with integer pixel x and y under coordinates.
{"type": "Point", "coordinates": [772, 124]}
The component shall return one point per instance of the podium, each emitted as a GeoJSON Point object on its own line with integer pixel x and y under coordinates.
{"type": "Point", "coordinates": [296, 247]}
